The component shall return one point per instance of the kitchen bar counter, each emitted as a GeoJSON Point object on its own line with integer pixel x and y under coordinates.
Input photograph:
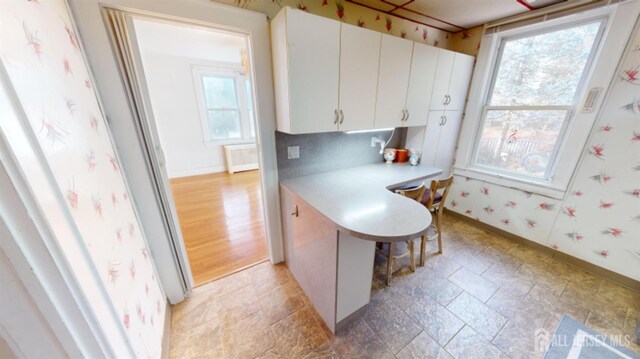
{"type": "Point", "coordinates": [359, 202]}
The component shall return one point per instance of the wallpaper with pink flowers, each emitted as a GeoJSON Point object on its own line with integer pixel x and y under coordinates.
{"type": "Point", "coordinates": [352, 14]}
{"type": "Point", "coordinates": [41, 53]}
{"type": "Point", "coordinates": [599, 219]}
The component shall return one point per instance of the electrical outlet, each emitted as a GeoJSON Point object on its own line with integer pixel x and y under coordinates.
{"type": "Point", "coordinates": [293, 152]}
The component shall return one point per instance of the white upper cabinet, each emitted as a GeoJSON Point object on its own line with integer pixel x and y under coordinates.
{"type": "Point", "coordinates": [359, 54]}
{"type": "Point", "coordinates": [423, 72]}
{"type": "Point", "coordinates": [331, 76]}
{"type": "Point", "coordinates": [306, 59]}
{"type": "Point", "coordinates": [460, 79]}
{"type": "Point", "coordinates": [451, 83]}
{"type": "Point", "coordinates": [393, 80]}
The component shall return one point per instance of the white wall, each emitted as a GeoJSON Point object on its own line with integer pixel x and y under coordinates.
{"type": "Point", "coordinates": [168, 55]}
{"type": "Point", "coordinates": [177, 114]}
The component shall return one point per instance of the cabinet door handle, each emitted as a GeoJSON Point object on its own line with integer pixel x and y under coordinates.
{"type": "Point", "coordinates": [445, 120]}
{"type": "Point", "coordinates": [403, 115]}
{"type": "Point", "coordinates": [335, 117]}
{"type": "Point", "coordinates": [341, 117]}
{"type": "Point", "coordinates": [295, 213]}
{"type": "Point", "coordinates": [407, 112]}
{"type": "Point", "coordinates": [448, 99]}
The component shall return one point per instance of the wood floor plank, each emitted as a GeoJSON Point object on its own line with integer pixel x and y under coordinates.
{"type": "Point", "coordinates": [222, 221]}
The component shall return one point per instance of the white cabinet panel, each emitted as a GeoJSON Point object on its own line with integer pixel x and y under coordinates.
{"type": "Point", "coordinates": [393, 79]}
{"type": "Point", "coordinates": [359, 55]}
{"type": "Point", "coordinates": [443, 76]}
{"type": "Point", "coordinates": [313, 45]}
{"type": "Point", "coordinates": [448, 139]}
{"type": "Point", "coordinates": [431, 135]}
{"type": "Point", "coordinates": [423, 71]}
{"type": "Point", "coordinates": [459, 83]}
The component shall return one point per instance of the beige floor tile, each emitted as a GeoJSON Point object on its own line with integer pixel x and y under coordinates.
{"type": "Point", "coordinates": [423, 346]}
{"type": "Point", "coordinates": [279, 302]}
{"type": "Point", "coordinates": [359, 341]}
{"type": "Point", "coordinates": [518, 342]}
{"type": "Point", "coordinates": [435, 319]}
{"type": "Point", "coordinates": [472, 283]}
{"type": "Point", "coordinates": [298, 335]}
{"type": "Point", "coordinates": [203, 341]}
{"type": "Point", "coordinates": [480, 317]}
{"type": "Point", "coordinates": [469, 344]}
{"type": "Point", "coordinates": [393, 326]}
{"type": "Point", "coordinates": [248, 338]}
{"type": "Point", "coordinates": [265, 276]}
{"type": "Point", "coordinates": [442, 290]}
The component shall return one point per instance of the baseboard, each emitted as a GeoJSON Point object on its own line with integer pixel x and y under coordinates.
{"type": "Point", "coordinates": [166, 333]}
{"type": "Point", "coordinates": [563, 257]}
{"type": "Point", "coordinates": [196, 171]}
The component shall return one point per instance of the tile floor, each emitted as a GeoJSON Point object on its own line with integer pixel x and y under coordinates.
{"type": "Point", "coordinates": [483, 298]}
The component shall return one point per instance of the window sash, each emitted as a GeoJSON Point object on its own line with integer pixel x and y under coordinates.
{"type": "Point", "coordinates": [570, 108]}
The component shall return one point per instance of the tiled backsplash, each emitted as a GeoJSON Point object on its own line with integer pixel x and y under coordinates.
{"type": "Point", "coordinates": [323, 152]}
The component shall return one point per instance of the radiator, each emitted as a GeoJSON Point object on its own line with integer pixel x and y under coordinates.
{"type": "Point", "coordinates": [241, 157]}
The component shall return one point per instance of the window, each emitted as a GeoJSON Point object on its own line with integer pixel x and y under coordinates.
{"type": "Point", "coordinates": [524, 125]}
{"type": "Point", "coordinates": [225, 97]}
{"type": "Point", "coordinates": [534, 91]}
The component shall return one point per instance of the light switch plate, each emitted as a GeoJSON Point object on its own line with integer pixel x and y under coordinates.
{"type": "Point", "coordinates": [293, 152]}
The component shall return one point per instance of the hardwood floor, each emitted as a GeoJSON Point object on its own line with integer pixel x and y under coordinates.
{"type": "Point", "coordinates": [222, 222]}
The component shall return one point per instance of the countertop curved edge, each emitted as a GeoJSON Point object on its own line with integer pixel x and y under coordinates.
{"type": "Point", "coordinates": [432, 172]}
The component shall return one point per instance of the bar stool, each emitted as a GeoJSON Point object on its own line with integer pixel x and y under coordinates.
{"type": "Point", "coordinates": [417, 194]}
{"type": "Point", "coordinates": [434, 200]}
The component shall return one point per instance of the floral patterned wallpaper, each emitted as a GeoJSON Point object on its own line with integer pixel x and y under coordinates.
{"type": "Point", "coordinates": [43, 58]}
{"type": "Point", "coordinates": [352, 14]}
{"type": "Point", "coordinates": [599, 219]}
{"type": "Point", "coordinates": [467, 41]}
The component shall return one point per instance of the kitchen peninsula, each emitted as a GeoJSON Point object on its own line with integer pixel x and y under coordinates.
{"type": "Point", "coordinates": [331, 222]}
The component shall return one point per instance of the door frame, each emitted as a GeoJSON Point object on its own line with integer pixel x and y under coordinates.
{"type": "Point", "coordinates": [94, 31]}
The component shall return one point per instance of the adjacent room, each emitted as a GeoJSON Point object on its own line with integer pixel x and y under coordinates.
{"type": "Point", "coordinates": [200, 89]}
{"type": "Point", "coordinates": [320, 179]}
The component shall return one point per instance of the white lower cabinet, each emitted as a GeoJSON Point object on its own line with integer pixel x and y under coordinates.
{"type": "Point", "coordinates": [440, 139]}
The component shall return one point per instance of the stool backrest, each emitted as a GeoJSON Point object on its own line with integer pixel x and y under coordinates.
{"type": "Point", "coordinates": [415, 193]}
{"type": "Point", "coordinates": [442, 186]}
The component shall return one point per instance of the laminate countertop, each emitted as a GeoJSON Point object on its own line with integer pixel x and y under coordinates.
{"type": "Point", "coordinates": [359, 202]}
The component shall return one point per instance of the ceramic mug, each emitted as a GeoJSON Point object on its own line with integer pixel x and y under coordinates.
{"type": "Point", "coordinates": [390, 155]}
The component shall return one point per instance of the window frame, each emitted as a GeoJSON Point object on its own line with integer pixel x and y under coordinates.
{"type": "Point", "coordinates": [570, 109]}
{"type": "Point", "coordinates": [616, 26]}
{"type": "Point", "coordinates": [240, 81]}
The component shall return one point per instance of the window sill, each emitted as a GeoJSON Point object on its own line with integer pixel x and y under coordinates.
{"type": "Point", "coordinates": [522, 184]}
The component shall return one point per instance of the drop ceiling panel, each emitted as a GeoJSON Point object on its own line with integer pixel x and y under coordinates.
{"type": "Point", "coordinates": [454, 15]}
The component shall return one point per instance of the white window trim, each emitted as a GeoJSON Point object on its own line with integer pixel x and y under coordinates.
{"type": "Point", "coordinates": [232, 71]}
{"type": "Point", "coordinates": [617, 29]}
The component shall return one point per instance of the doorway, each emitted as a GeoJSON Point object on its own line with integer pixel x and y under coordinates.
{"type": "Point", "coordinates": [201, 101]}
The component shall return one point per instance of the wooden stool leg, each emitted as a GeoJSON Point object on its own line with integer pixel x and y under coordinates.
{"type": "Point", "coordinates": [412, 257]}
{"type": "Point", "coordinates": [390, 264]}
{"type": "Point", "coordinates": [423, 249]}
{"type": "Point", "coordinates": [439, 234]}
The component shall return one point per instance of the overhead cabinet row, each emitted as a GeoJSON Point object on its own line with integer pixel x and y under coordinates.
{"type": "Point", "coordinates": [332, 76]}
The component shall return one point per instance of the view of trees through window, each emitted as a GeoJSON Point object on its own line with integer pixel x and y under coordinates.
{"type": "Point", "coordinates": [229, 106]}
{"type": "Point", "coordinates": [534, 88]}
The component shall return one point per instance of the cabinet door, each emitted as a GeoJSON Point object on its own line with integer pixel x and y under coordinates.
{"type": "Point", "coordinates": [313, 45]}
{"type": "Point", "coordinates": [431, 135]}
{"type": "Point", "coordinates": [423, 71]}
{"type": "Point", "coordinates": [359, 60]}
{"type": "Point", "coordinates": [459, 83]}
{"type": "Point", "coordinates": [393, 80]}
{"type": "Point", "coordinates": [448, 140]}
{"type": "Point", "coordinates": [442, 78]}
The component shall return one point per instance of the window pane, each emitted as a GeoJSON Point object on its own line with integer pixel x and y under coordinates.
{"type": "Point", "coordinates": [521, 142]}
{"type": "Point", "coordinates": [247, 86]}
{"type": "Point", "coordinates": [219, 92]}
{"type": "Point", "coordinates": [224, 124]}
{"type": "Point", "coordinates": [544, 69]}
